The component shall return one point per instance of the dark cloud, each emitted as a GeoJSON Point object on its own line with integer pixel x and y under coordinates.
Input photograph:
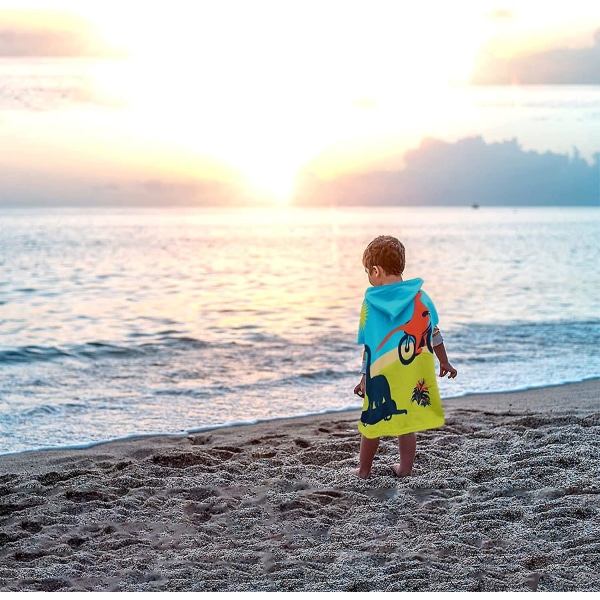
{"type": "Point", "coordinates": [570, 66]}
{"type": "Point", "coordinates": [467, 172]}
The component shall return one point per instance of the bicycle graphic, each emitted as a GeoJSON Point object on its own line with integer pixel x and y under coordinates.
{"type": "Point", "coordinates": [408, 347]}
{"type": "Point", "coordinates": [417, 328]}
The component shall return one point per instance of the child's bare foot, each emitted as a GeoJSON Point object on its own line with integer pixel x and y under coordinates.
{"type": "Point", "coordinates": [360, 474]}
{"type": "Point", "coordinates": [399, 471]}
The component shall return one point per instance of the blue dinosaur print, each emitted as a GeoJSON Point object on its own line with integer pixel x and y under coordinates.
{"type": "Point", "coordinates": [381, 405]}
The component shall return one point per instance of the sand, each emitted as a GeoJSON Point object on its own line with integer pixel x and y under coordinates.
{"type": "Point", "coordinates": [504, 497]}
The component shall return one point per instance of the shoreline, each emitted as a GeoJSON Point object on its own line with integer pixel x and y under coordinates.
{"type": "Point", "coordinates": [469, 399]}
{"type": "Point", "coordinates": [503, 497]}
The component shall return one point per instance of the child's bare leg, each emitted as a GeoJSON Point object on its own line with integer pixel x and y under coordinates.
{"type": "Point", "coordinates": [407, 444]}
{"type": "Point", "coordinates": [368, 448]}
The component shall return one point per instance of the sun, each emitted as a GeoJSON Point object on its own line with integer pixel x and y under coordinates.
{"type": "Point", "coordinates": [269, 178]}
{"type": "Point", "coordinates": [264, 87]}
{"type": "Point", "coordinates": [231, 99]}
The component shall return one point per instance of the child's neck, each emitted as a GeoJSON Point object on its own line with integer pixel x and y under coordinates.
{"type": "Point", "coordinates": [387, 279]}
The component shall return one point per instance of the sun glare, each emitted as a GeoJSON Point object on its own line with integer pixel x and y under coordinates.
{"type": "Point", "coordinates": [266, 87]}
{"type": "Point", "coordinates": [271, 181]}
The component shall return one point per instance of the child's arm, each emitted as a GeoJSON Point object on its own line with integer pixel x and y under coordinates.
{"type": "Point", "coordinates": [359, 390]}
{"type": "Point", "coordinates": [440, 351]}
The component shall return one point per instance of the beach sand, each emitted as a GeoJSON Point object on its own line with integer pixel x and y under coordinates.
{"type": "Point", "coordinates": [504, 497]}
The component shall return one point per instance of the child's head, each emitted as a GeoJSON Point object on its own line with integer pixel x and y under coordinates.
{"type": "Point", "coordinates": [387, 252]}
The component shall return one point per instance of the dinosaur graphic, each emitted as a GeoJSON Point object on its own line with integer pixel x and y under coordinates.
{"type": "Point", "coordinates": [381, 405]}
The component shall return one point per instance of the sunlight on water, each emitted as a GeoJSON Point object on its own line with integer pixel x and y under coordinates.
{"type": "Point", "coordinates": [128, 321]}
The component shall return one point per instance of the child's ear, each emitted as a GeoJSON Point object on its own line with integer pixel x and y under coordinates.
{"type": "Point", "coordinates": [376, 271]}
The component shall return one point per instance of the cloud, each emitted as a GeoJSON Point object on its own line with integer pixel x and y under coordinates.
{"type": "Point", "coordinates": [571, 66]}
{"type": "Point", "coordinates": [159, 192]}
{"type": "Point", "coordinates": [40, 43]}
{"type": "Point", "coordinates": [467, 172]}
{"type": "Point", "coordinates": [502, 14]}
{"type": "Point", "coordinates": [50, 33]}
{"type": "Point", "coordinates": [437, 173]}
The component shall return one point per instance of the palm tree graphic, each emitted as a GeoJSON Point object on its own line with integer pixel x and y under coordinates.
{"type": "Point", "coordinates": [420, 394]}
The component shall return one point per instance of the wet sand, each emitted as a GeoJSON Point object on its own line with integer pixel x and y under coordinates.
{"type": "Point", "coordinates": [504, 497]}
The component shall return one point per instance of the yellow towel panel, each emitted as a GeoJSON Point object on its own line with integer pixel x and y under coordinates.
{"type": "Point", "coordinates": [413, 402]}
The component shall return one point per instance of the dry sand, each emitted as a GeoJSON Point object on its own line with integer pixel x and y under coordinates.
{"type": "Point", "coordinates": [504, 497]}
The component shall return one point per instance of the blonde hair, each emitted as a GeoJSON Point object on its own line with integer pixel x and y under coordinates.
{"type": "Point", "coordinates": [387, 252]}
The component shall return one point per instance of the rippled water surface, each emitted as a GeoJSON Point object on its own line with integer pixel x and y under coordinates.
{"type": "Point", "coordinates": [118, 322]}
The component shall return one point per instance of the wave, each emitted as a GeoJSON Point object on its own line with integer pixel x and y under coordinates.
{"type": "Point", "coordinates": [33, 354]}
{"type": "Point", "coordinates": [320, 375]}
{"type": "Point", "coordinates": [96, 350]}
{"type": "Point", "coordinates": [139, 344]}
{"type": "Point", "coordinates": [466, 343]}
{"type": "Point", "coordinates": [512, 342]}
{"type": "Point", "coordinates": [42, 412]}
{"type": "Point", "coordinates": [301, 414]}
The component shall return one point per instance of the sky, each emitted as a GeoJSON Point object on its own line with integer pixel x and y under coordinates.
{"type": "Point", "coordinates": [260, 90]}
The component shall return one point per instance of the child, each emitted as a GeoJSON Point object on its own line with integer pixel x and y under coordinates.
{"type": "Point", "coordinates": [398, 327]}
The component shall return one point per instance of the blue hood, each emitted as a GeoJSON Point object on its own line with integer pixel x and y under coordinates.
{"type": "Point", "coordinates": [393, 298]}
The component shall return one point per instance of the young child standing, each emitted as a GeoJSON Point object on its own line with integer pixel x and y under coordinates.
{"type": "Point", "coordinates": [398, 328]}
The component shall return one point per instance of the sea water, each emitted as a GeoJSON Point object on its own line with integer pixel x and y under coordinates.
{"type": "Point", "coordinates": [118, 322]}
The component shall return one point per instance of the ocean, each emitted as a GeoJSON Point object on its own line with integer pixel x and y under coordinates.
{"type": "Point", "coordinates": [118, 322]}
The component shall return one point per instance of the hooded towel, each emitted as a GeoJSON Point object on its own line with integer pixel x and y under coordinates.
{"type": "Point", "coordinates": [402, 396]}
